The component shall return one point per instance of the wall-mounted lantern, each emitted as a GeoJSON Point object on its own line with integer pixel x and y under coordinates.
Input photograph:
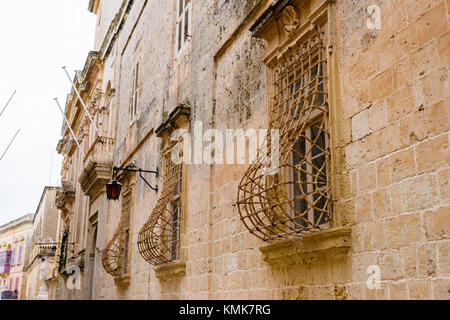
{"type": "Point", "coordinates": [114, 188]}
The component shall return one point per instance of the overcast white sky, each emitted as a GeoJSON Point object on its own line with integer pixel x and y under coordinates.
{"type": "Point", "coordinates": [38, 37]}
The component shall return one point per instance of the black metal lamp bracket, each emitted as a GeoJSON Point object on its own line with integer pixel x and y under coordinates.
{"type": "Point", "coordinates": [141, 171]}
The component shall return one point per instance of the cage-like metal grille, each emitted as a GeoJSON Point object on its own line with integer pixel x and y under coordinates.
{"type": "Point", "coordinates": [159, 238]}
{"type": "Point", "coordinates": [296, 199]}
{"type": "Point", "coordinates": [115, 254]}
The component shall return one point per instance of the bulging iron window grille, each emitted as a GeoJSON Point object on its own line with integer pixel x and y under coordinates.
{"type": "Point", "coordinates": [115, 256]}
{"type": "Point", "coordinates": [296, 200]}
{"type": "Point", "coordinates": [159, 238]}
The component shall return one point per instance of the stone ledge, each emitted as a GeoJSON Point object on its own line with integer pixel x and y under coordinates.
{"type": "Point", "coordinates": [179, 114]}
{"type": "Point", "coordinates": [171, 270]}
{"type": "Point", "coordinates": [94, 177]}
{"type": "Point", "coordinates": [328, 243]}
{"type": "Point", "coordinates": [122, 280]}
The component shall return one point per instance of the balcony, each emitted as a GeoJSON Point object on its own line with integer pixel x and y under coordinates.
{"type": "Point", "coordinates": [97, 167]}
{"type": "Point", "coordinates": [5, 262]}
{"type": "Point", "coordinates": [9, 295]}
{"type": "Point", "coordinates": [46, 250]}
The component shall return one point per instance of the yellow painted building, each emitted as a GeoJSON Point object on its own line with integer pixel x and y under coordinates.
{"type": "Point", "coordinates": [15, 239]}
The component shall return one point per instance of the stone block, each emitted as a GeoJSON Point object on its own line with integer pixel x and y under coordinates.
{"type": "Point", "coordinates": [433, 154]}
{"type": "Point", "coordinates": [437, 223]}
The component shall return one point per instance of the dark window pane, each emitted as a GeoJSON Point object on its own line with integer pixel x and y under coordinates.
{"type": "Point", "coordinates": [125, 251]}
{"type": "Point", "coordinates": [301, 207]}
{"type": "Point", "coordinates": [299, 151]}
{"type": "Point", "coordinates": [175, 232]}
{"type": "Point", "coordinates": [181, 8]}
{"type": "Point", "coordinates": [318, 138]}
{"type": "Point", "coordinates": [186, 25]}
{"type": "Point", "coordinates": [320, 209]}
{"type": "Point", "coordinates": [180, 30]}
{"type": "Point", "coordinates": [319, 172]}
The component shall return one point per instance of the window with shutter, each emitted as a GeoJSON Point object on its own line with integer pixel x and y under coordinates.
{"type": "Point", "coordinates": [19, 257]}
{"type": "Point", "coordinates": [183, 23]}
{"type": "Point", "coordinates": [13, 256]}
{"type": "Point", "coordinates": [135, 93]}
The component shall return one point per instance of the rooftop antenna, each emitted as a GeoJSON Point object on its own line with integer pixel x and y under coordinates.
{"type": "Point", "coordinates": [15, 136]}
{"type": "Point", "coordinates": [8, 102]}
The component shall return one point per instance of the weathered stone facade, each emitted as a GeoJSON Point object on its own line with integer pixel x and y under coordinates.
{"type": "Point", "coordinates": [387, 91]}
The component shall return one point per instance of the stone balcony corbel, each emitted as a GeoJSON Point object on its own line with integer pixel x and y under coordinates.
{"type": "Point", "coordinates": [97, 167]}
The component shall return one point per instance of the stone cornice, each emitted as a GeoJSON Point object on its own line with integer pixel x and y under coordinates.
{"type": "Point", "coordinates": [170, 124]}
{"type": "Point", "coordinates": [94, 178]}
{"type": "Point", "coordinates": [92, 63]}
{"type": "Point", "coordinates": [92, 59]}
{"type": "Point", "coordinates": [114, 28]}
{"type": "Point", "coordinates": [18, 222]}
{"type": "Point", "coordinates": [272, 11]}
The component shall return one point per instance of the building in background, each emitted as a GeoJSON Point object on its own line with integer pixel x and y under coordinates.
{"type": "Point", "coordinates": [43, 246]}
{"type": "Point", "coordinates": [362, 111]}
{"type": "Point", "coordinates": [15, 245]}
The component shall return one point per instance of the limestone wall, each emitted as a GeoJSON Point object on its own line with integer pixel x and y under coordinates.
{"type": "Point", "coordinates": [389, 118]}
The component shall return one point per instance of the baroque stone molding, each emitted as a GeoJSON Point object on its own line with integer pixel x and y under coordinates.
{"type": "Point", "coordinates": [181, 111]}
{"type": "Point", "coordinates": [65, 197]}
{"type": "Point", "coordinates": [291, 20]}
{"type": "Point", "coordinates": [328, 243]}
{"type": "Point", "coordinates": [268, 16]}
{"type": "Point", "coordinates": [97, 168]}
{"type": "Point", "coordinates": [117, 25]}
{"type": "Point", "coordinates": [94, 177]}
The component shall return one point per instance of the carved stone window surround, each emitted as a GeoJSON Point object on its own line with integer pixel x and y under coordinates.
{"type": "Point", "coordinates": [178, 118]}
{"type": "Point", "coordinates": [271, 26]}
